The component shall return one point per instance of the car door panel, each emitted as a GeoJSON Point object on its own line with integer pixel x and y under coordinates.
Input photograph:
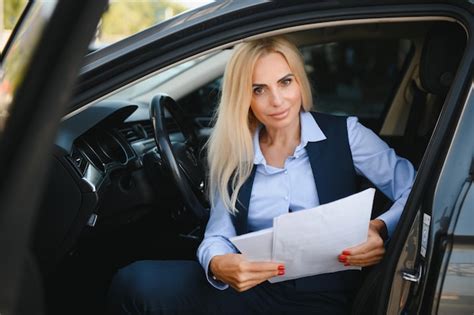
{"type": "Point", "coordinates": [455, 289]}
{"type": "Point", "coordinates": [449, 206]}
{"type": "Point", "coordinates": [445, 192]}
{"type": "Point", "coordinates": [40, 69]}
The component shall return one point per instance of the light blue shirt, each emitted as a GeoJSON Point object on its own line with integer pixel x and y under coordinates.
{"type": "Point", "coordinates": [276, 190]}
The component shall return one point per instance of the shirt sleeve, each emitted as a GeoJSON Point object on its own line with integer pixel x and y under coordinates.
{"type": "Point", "coordinates": [216, 240]}
{"type": "Point", "coordinates": [391, 174]}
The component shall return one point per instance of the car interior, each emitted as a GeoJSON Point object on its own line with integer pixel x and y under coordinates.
{"type": "Point", "coordinates": [113, 197]}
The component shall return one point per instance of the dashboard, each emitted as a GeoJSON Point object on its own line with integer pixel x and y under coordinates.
{"type": "Point", "coordinates": [97, 176]}
{"type": "Point", "coordinates": [108, 136]}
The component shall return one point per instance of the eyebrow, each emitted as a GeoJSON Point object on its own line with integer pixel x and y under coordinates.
{"type": "Point", "coordinates": [289, 75]}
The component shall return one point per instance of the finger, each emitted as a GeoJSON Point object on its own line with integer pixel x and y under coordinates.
{"type": "Point", "coordinates": [365, 247]}
{"type": "Point", "coordinates": [245, 287]}
{"type": "Point", "coordinates": [244, 277]}
{"type": "Point", "coordinates": [248, 284]}
{"type": "Point", "coordinates": [358, 262]}
{"type": "Point", "coordinates": [254, 266]}
{"type": "Point", "coordinates": [374, 240]}
{"type": "Point", "coordinates": [365, 257]}
{"type": "Point", "coordinates": [256, 280]}
{"type": "Point", "coordinates": [240, 288]}
{"type": "Point", "coordinates": [359, 249]}
{"type": "Point", "coordinates": [262, 275]}
{"type": "Point", "coordinates": [371, 244]}
{"type": "Point", "coordinates": [366, 263]}
{"type": "Point", "coordinates": [368, 259]}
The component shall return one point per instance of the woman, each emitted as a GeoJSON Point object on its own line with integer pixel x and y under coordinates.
{"type": "Point", "coordinates": [268, 154]}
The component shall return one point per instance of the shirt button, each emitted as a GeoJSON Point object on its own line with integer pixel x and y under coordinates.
{"type": "Point", "coordinates": [286, 172]}
{"type": "Point", "coordinates": [286, 197]}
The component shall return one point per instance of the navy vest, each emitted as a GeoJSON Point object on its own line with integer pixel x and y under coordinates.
{"type": "Point", "coordinates": [335, 178]}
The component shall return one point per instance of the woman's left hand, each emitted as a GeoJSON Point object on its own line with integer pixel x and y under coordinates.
{"type": "Point", "coordinates": [368, 253]}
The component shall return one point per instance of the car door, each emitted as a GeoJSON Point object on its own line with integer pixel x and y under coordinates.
{"type": "Point", "coordinates": [432, 238]}
{"type": "Point", "coordinates": [456, 284]}
{"type": "Point", "coordinates": [37, 74]}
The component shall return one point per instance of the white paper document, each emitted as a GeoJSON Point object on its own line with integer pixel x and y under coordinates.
{"type": "Point", "coordinates": [255, 246]}
{"type": "Point", "coordinates": [309, 241]}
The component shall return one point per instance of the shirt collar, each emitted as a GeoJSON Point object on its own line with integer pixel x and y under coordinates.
{"type": "Point", "coordinates": [258, 158]}
{"type": "Point", "coordinates": [310, 132]}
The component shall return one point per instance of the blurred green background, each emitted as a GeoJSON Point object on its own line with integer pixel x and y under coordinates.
{"type": "Point", "coordinates": [122, 18]}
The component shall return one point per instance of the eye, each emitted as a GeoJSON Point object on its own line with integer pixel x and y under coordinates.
{"type": "Point", "coordinates": [258, 90]}
{"type": "Point", "coordinates": [286, 81]}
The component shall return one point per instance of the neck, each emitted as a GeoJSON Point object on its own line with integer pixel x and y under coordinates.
{"type": "Point", "coordinates": [284, 137]}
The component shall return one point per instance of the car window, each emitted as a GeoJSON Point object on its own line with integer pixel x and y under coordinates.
{"type": "Point", "coordinates": [151, 84]}
{"type": "Point", "coordinates": [17, 58]}
{"type": "Point", "coordinates": [124, 18]}
{"type": "Point", "coordinates": [356, 77]}
{"type": "Point", "coordinates": [9, 16]}
{"type": "Point", "coordinates": [351, 77]}
{"type": "Point", "coordinates": [348, 78]}
{"type": "Point", "coordinates": [203, 102]}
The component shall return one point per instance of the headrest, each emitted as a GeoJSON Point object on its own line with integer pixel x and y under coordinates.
{"type": "Point", "coordinates": [442, 51]}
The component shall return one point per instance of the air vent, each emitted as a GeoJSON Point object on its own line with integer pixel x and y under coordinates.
{"type": "Point", "coordinates": [130, 133]}
{"type": "Point", "coordinates": [78, 160]}
{"type": "Point", "coordinates": [137, 131]}
{"type": "Point", "coordinates": [148, 129]}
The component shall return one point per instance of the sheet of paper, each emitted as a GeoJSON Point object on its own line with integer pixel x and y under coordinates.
{"type": "Point", "coordinates": [255, 246]}
{"type": "Point", "coordinates": [308, 242]}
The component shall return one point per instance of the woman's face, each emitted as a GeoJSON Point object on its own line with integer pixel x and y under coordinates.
{"type": "Point", "coordinates": [276, 95]}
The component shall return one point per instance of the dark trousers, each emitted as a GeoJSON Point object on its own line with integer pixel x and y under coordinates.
{"type": "Point", "coordinates": [180, 287]}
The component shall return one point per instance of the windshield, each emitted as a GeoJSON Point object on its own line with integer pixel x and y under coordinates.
{"type": "Point", "coordinates": [137, 91]}
{"type": "Point", "coordinates": [124, 18]}
{"type": "Point", "coordinates": [10, 13]}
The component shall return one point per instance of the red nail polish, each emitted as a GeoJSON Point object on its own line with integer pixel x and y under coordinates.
{"type": "Point", "coordinates": [281, 267]}
{"type": "Point", "coordinates": [346, 252]}
{"type": "Point", "coordinates": [347, 264]}
{"type": "Point", "coordinates": [281, 272]}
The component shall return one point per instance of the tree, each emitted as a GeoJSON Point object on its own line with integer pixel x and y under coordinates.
{"type": "Point", "coordinates": [124, 18]}
{"type": "Point", "coordinates": [11, 12]}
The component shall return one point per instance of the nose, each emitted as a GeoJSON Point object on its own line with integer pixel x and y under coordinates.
{"type": "Point", "coordinates": [277, 98]}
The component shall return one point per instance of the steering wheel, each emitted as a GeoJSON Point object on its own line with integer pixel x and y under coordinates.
{"type": "Point", "coordinates": [181, 158]}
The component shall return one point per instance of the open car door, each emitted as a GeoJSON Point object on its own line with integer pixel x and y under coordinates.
{"type": "Point", "coordinates": [37, 74]}
{"type": "Point", "coordinates": [429, 268]}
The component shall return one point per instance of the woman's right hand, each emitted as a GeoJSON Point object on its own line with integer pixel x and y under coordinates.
{"type": "Point", "coordinates": [242, 274]}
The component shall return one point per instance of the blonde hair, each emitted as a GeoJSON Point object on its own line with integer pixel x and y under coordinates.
{"type": "Point", "coordinates": [230, 146]}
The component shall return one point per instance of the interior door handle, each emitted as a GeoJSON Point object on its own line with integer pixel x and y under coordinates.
{"type": "Point", "coordinates": [413, 275]}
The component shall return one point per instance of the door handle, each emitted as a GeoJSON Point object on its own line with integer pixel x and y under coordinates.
{"type": "Point", "coordinates": [413, 275]}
